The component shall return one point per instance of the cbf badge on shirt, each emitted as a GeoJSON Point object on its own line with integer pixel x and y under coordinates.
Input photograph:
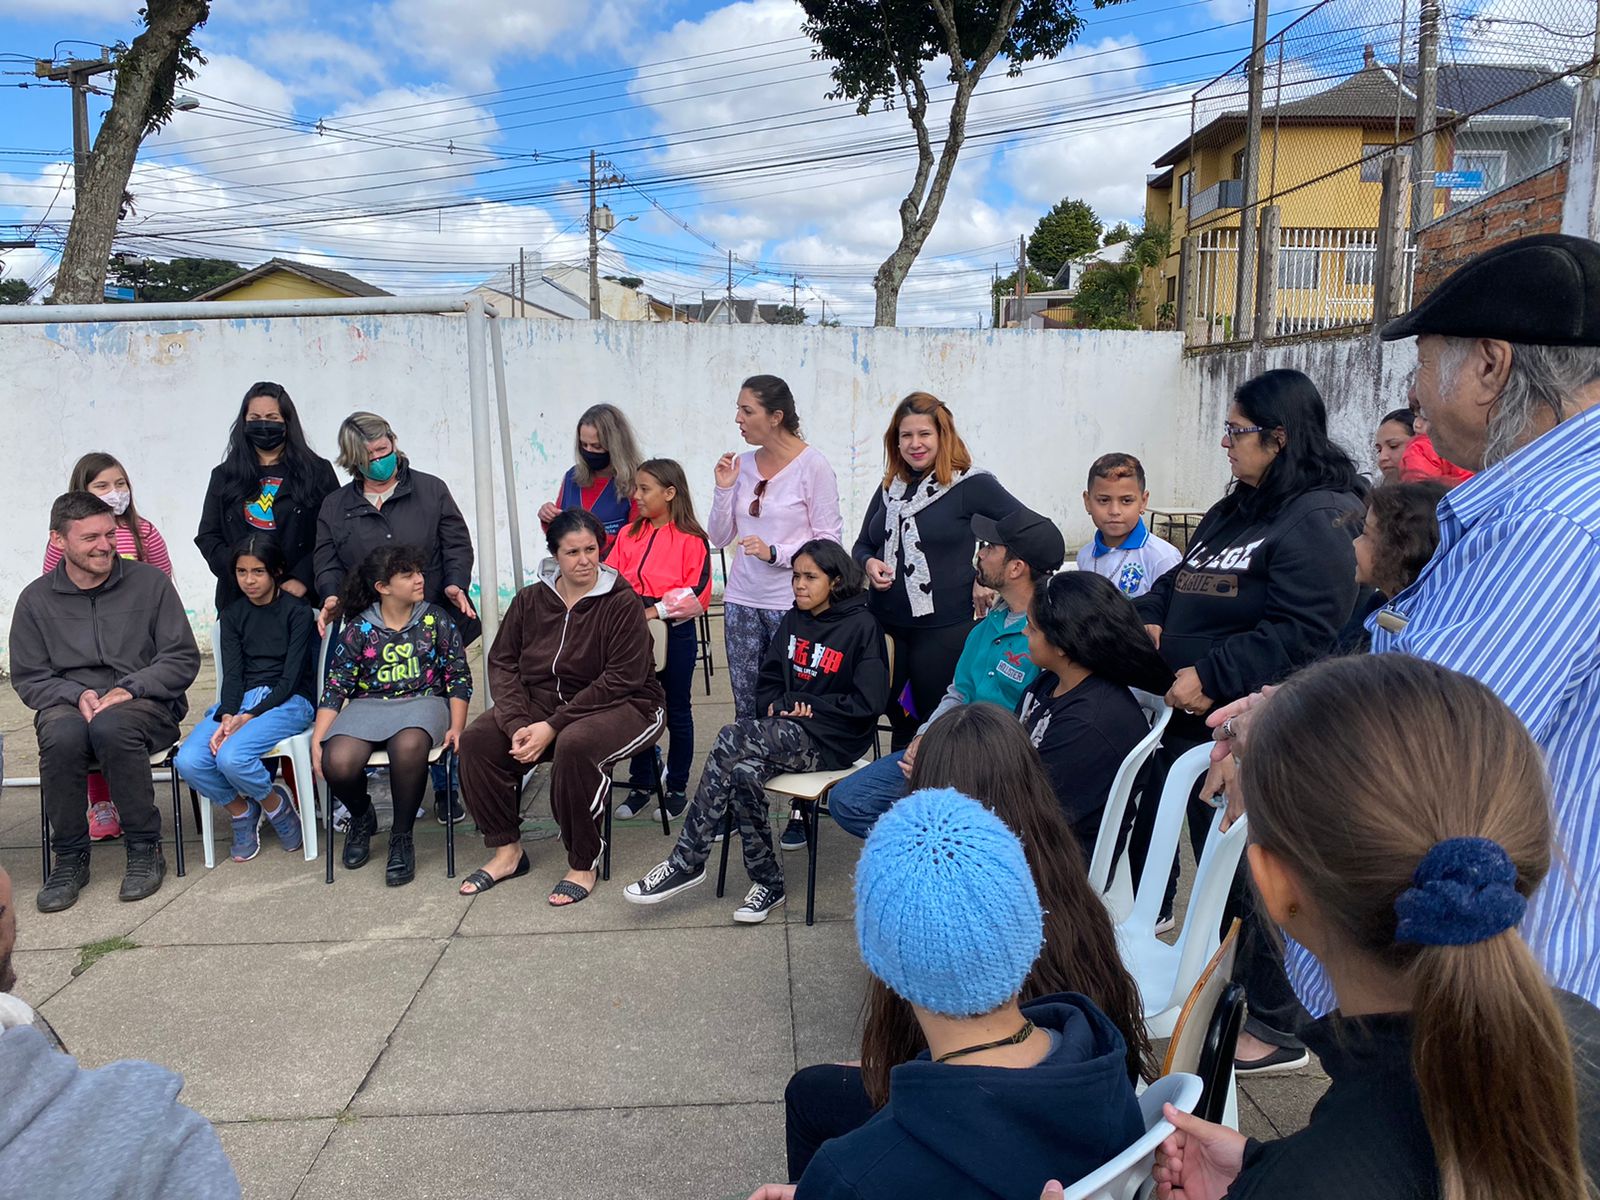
{"type": "Point", "coordinates": [258, 512]}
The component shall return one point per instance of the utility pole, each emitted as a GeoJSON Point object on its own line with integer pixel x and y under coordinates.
{"type": "Point", "coordinates": [76, 73]}
{"type": "Point", "coordinates": [1427, 114]}
{"type": "Point", "coordinates": [594, 247]}
{"type": "Point", "coordinates": [730, 287]}
{"type": "Point", "coordinates": [522, 289]}
{"type": "Point", "coordinates": [1250, 176]}
{"type": "Point", "coordinates": [794, 293]}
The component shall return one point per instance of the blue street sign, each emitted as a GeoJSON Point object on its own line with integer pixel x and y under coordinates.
{"type": "Point", "coordinates": [1466, 180]}
{"type": "Point", "coordinates": [119, 293]}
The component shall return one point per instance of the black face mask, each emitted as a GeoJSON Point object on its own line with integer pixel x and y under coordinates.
{"type": "Point", "coordinates": [596, 461]}
{"type": "Point", "coordinates": [265, 435]}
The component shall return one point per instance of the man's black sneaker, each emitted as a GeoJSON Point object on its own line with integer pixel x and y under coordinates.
{"type": "Point", "coordinates": [794, 833]}
{"type": "Point", "coordinates": [402, 866]}
{"type": "Point", "coordinates": [663, 882]}
{"type": "Point", "coordinates": [638, 800]}
{"type": "Point", "coordinates": [676, 803]}
{"type": "Point", "coordinates": [69, 877]}
{"type": "Point", "coordinates": [358, 839]}
{"type": "Point", "coordinates": [758, 902]}
{"type": "Point", "coordinates": [452, 805]}
{"type": "Point", "coordinates": [146, 869]}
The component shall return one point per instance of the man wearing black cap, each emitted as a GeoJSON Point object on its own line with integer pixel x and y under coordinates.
{"type": "Point", "coordinates": [1014, 555]}
{"type": "Point", "coordinates": [1509, 380]}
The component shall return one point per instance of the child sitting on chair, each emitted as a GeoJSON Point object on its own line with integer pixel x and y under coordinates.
{"type": "Point", "coordinates": [265, 696]}
{"type": "Point", "coordinates": [823, 682]}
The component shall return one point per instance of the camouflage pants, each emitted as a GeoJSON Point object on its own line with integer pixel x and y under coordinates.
{"type": "Point", "coordinates": [746, 754]}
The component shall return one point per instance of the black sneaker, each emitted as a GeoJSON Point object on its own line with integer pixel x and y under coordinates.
{"type": "Point", "coordinates": [1281, 1060]}
{"type": "Point", "coordinates": [146, 869]}
{"type": "Point", "coordinates": [402, 867]}
{"type": "Point", "coordinates": [69, 877]}
{"type": "Point", "coordinates": [663, 882]}
{"type": "Point", "coordinates": [758, 902]}
{"type": "Point", "coordinates": [676, 803]}
{"type": "Point", "coordinates": [358, 839]}
{"type": "Point", "coordinates": [794, 834]}
{"type": "Point", "coordinates": [452, 805]}
{"type": "Point", "coordinates": [638, 800]}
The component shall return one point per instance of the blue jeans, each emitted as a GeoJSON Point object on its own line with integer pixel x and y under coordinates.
{"type": "Point", "coordinates": [683, 652]}
{"type": "Point", "coordinates": [237, 769]}
{"type": "Point", "coordinates": [858, 801]}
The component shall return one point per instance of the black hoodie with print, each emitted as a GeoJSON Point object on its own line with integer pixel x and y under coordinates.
{"type": "Point", "coordinates": [835, 662]}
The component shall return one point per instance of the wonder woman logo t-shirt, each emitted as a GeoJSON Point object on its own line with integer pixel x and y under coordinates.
{"type": "Point", "coordinates": [258, 512]}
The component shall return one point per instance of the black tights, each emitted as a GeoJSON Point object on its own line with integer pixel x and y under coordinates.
{"type": "Point", "coordinates": [344, 766]}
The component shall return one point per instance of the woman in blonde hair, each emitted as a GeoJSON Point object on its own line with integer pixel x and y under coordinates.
{"type": "Point", "coordinates": [1399, 820]}
{"type": "Point", "coordinates": [389, 503]}
{"type": "Point", "coordinates": [601, 480]}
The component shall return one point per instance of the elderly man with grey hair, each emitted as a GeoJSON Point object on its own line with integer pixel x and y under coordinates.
{"type": "Point", "coordinates": [1509, 380]}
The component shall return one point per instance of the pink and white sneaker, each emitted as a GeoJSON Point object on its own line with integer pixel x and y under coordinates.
{"type": "Point", "coordinates": [104, 823]}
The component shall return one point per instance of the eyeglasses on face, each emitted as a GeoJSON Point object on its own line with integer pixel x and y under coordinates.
{"type": "Point", "coordinates": [1231, 431]}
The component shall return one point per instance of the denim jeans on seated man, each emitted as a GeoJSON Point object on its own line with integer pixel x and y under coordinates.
{"type": "Point", "coordinates": [858, 801]}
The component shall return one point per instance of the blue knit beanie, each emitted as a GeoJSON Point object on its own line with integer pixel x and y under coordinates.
{"type": "Point", "coordinates": [946, 911]}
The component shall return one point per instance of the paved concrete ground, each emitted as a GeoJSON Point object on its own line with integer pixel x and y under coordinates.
{"type": "Point", "coordinates": [361, 1040]}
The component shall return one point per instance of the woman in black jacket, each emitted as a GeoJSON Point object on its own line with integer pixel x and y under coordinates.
{"type": "Point", "coordinates": [1265, 587]}
{"type": "Point", "coordinates": [269, 481]}
{"type": "Point", "coordinates": [916, 547]}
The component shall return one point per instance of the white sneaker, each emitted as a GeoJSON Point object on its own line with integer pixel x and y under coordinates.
{"type": "Point", "coordinates": [758, 902]}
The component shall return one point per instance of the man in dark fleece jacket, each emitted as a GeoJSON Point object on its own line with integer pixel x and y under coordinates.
{"type": "Point", "coordinates": [101, 650]}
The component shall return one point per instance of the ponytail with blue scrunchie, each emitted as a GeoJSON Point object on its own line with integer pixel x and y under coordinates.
{"type": "Point", "coordinates": [1463, 891]}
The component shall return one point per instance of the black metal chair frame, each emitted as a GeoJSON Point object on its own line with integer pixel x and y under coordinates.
{"type": "Point", "coordinates": [661, 799]}
{"type": "Point", "coordinates": [452, 788]}
{"type": "Point", "coordinates": [811, 814]}
{"type": "Point", "coordinates": [1216, 1056]}
{"type": "Point", "coordinates": [177, 815]}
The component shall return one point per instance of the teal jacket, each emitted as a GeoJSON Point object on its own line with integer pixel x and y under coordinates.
{"type": "Point", "coordinates": [994, 666]}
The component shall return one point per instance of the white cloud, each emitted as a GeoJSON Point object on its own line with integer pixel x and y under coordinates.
{"type": "Point", "coordinates": [108, 10]}
{"type": "Point", "coordinates": [467, 38]}
{"type": "Point", "coordinates": [313, 63]}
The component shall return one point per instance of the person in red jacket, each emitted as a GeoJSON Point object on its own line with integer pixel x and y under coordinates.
{"type": "Point", "coordinates": [665, 558]}
{"type": "Point", "coordinates": [573, 681]}
{"type": "Point", "coordinates": [1421, 461]}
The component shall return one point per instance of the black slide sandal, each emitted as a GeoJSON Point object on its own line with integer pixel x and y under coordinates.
{"type": "Point", "coordinates": [482, 881]}
{"type": "Point", "coordinates": [574, 892]}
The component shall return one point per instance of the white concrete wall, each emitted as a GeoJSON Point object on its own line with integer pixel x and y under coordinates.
{"type": "Point", "coordinates": [1035, 406]}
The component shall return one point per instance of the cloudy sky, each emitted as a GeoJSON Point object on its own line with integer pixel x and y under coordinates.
{"type": "Point", "coordinates": [421, 143]}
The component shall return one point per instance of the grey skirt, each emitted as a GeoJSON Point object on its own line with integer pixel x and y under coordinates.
{"type": "Point", "coordinates": [374, 720]}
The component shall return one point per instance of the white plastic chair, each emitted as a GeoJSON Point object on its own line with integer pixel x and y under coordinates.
{"type": "Point", "coordinates": [1167, 973]}
{"type": "Point", "coordinates": [1110, 873]}
{"type": "Point", "coordinates": [1128, 1175]}
{"type": "Point", "coordinates": [297, 750]}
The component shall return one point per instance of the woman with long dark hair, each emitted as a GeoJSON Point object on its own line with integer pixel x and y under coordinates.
{"type": "Point", "coordinates": [981, 750]}
{"type": "Point", "coordinates": [1266, 586]}
{"type": "Point", "coordinates": [1084, 636]}
{"type": "Point", "coordinates": [1389, 442]}
{"type": "Point", "coordinates": [269, 481]}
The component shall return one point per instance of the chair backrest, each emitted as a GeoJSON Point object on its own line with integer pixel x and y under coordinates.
{"type": "Point", "coordinates": [1171, 813]}
{"type": "Point", "coordinates": [1110, 873]}
{"type": "Point", "coordinates": [216, 655]}
{"type": "Point", "coordinates": [1125, 1176]}
{"type": "Point", "coordinates": [1216, 1056]}
{"type": "Point", "coordinates": [1189, 1034]}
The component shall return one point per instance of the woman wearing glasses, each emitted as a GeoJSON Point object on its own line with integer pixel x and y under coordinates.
{"type": "Point", "coordinates": [769, 502]}
{"type": "Point", "coordinates": [1265, 587]}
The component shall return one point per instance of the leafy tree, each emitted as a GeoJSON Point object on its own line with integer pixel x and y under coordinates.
{"type": "Point", "coordinates": [1008, 286]}
{"type": "Point", "coordinates": [148, 74]}
{"type": "Point", "coordinates": [879, 49]}
{"type": "Point", "coordinates": [14, 291]}
{"type": "Point", "coordinates": [1108, 294]}
{"type": "Point", "coordinates": [166, 282]}
{"type": "Point", "coordinates": [1067, 231]}
{"type": "Point", "coordinates": [627, 281]}
{"type": "Point", "coordinates": [1120, 232]}
{"type": "Point", "coordinates": [787, 314]}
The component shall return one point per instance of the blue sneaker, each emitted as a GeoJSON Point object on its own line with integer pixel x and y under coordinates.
{"type": "Point", "coordinates": [285, 822]}
{"type": "Point", "coordinates": [247, 833]}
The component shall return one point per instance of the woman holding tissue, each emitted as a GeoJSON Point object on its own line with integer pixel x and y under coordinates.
{"type": "Point", "coordinates": [664, 557]}
{"type": "Point", "coordinates": [771, 501]}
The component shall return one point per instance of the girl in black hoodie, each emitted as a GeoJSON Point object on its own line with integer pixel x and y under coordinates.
{"type": "Point", "coordinates": [822, 684]}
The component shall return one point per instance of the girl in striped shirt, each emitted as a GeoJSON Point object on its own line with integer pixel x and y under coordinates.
{"type": "Point", "coordinates": [103, 475]}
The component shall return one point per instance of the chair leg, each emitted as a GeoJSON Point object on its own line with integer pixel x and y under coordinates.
{"type": "Point", "coordinates": [727, 840]}
{"type": "Point", "coordinates": [177, 816]}
{"type": "Point", "coordinates": [661, 796]}
{"type": "Point", "coordinates": [44, 839]}
{"type": "Point", "coordinates": [813, 830]}
{"type": "Point", "coordinates": [203, 821]}
{"type": "Point", "coordinates": [605, 841]}
{"type": "Point", "coordinates": [327, 826]}
{"type": "Point", "coordinates": [450, 786]}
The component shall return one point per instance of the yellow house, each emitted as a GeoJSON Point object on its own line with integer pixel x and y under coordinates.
{"type": "Point", "coordinates": [1322, 158]}
{"type": "Point", "coordinates": [284, 279]}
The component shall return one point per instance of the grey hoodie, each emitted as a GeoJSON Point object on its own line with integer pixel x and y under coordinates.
{"type": "Point", "coordinates": [130, 632]}
{"type": "Point", "coordinates": [113, 1133]}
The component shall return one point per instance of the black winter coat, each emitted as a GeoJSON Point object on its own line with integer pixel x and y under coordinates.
{"type": "Point", "coordinates": [223, 526]}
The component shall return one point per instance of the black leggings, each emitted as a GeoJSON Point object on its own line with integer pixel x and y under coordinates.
{"type": "Point", "coordinates": [924, 657]}
{"type": "Point", "coordinates": [821, 1102]}
{"type": "Point", "coordinates": [344, 766]}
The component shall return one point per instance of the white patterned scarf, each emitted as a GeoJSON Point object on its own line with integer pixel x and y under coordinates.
{"type": "Point", "coordinates": [900, 519]}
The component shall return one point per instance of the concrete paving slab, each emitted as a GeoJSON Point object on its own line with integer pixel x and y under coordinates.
{"type": "Point", "coordinates": [42, 973]}
{"type": "Point", "coordinates": [828, 987]}
{"type": "Point", "coordinates": [258, 1031]}
{"type": "Point", "coordinates": [660, 1016]}
{"type": "Point", "coordinates": [836, 872]}
{"type": "Point", "coordinates": [1287, 1100]}
{"type": "Point", "coordinates": [645, 1153]}
{"type": "Point", "coordinates": [1255, 1123]}
{"type": "Point", "coordinates": [271, 1158]}
{"type": "Point", "coordinates": [279, 897]}
{"type": "Point", "coordinates": [98, 913]}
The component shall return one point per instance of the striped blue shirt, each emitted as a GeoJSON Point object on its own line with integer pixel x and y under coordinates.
{"type": "Point", "coordinates": [1512, 598]}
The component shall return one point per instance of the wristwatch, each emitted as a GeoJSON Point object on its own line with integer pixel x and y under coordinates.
{"type": "Point", "coordinates": [772, 554]}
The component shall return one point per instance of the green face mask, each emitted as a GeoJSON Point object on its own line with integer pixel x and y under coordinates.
{"type": "Point", "coordinates": [381, 470]}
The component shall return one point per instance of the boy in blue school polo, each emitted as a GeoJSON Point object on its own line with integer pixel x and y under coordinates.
{"type": "Point", "coordinates": [1123, 550]}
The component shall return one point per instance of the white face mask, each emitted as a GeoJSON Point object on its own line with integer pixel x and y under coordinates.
{"type": "Point", "coordinates": [117, 502]}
